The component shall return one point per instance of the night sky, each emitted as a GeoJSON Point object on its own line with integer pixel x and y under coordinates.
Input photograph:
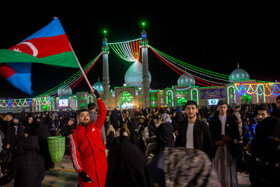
{"type": "Point", "coordinates": [210, 38]}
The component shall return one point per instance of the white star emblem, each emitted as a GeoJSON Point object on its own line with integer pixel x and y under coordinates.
{"type": "Point", "coordinates": [17, 50]}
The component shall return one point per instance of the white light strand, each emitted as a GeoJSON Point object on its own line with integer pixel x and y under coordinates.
{"type": "Point", "coordinates": [124, 50]}
{"type": "Point", "coordinates": [194, 71]}
{"type": "Point", "coordinates": [188, 69]}
{"type": "Point", "coordinates": [128, 41]}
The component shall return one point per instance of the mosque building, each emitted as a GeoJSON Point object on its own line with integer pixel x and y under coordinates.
{"type": "Point", "coordinates": [130, 95]}
{"type": "Point", "coordinates": [136, 92]}
{"type": "Point", "coordinates": [241, 89]}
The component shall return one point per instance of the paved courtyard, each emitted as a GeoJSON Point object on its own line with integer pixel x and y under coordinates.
{"type": "Point", "coordinates": [66, 176]}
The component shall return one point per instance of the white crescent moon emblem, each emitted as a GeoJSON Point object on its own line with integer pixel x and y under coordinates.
{"type": "Point", "coordinates": [32, 47]}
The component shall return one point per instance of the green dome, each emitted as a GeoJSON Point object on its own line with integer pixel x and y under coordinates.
{"type": "Point", "coordinates": [134, 75]}
{"type": "Point", "coordinates": [239, 74]}
{"type": "Point", "coordinates": [186, 79]}
{"type": "Point", "coordinates": [64, 92]}
{"type": "Point", "coordinates": [98, 86]}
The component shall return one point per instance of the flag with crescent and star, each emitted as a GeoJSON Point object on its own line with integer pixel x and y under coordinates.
{"type": "Point", "coordinates": [49, 46]}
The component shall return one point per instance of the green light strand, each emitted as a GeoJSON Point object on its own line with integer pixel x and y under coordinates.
{"type": "Point", "coordinates": [194, 67]}
{"type": "Point", "coordinates": [69, 79]}
{"type": "Point", "coordinates": [208, 72]}
{"type": "Point", "coordinates": [54, 89]}
{"type": "Point", "coordinates": [193, 75]}
{"type": "Point", "coordinates": [123, 50]}
{"type": "Point", "coordinates": [118, 51]}
{"type": "Point", "coordinates": [124, 41]}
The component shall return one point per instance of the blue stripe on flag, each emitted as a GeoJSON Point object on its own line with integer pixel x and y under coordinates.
{"type": "Point", "coordinates": [21, 81]}
{"type": "Point", "coordinates": [54, 28]}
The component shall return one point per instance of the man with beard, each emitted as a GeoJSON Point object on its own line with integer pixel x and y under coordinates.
{"type": "Point", "coordinates": [250, 130]}
{"type": "Point", "coordinates": [263, 112]}
{"type": "Point", "coordinates": [194, 133]}
{"type": "Point", "coordinates": [87, 149]}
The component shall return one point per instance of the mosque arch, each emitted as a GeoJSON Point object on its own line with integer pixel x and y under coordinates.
{"type": "Point", "coordinates": [125, 99]}
{"type": "Point", "coordinates": [181, 102]}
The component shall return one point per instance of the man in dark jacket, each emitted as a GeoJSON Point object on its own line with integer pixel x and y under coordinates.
{"type": "Point", "coordinates": [224, 131]}
{"type": "Point", "coordinates": [194, 133]}
{"type": "Point", "coordinates": [265, 150]}
{"type": "Point", "coordinates": [224, 128]}
{"type": "Point", "coordinates": [28, 166]}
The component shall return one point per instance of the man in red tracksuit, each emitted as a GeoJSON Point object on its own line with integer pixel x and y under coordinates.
{"type": "Point", "coordinates": [87, 148]}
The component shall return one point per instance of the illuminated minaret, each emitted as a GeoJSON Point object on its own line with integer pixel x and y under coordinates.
{"type": "Point", "coordinates": [106, 78]}
{"type": "Point", "coordinates": [145, 62]}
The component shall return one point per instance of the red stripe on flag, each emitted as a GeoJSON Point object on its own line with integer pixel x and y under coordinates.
{"type": "Point", "coordinates": [6, 71]}
{"type": "Point", "coordinates": [45, 46]}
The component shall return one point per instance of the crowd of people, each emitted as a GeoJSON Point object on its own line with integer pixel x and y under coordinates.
{"type": "Point", "coordinates": [190, 146]}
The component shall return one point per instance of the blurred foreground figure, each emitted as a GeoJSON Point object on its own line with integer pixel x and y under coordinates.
{"type": "Point", "coordinates": [178, 166]}
{"type": "Point", "coordinates": [265, 150]}
{"type": "Point", "coordinates": [126, 164]}
{"type": "Point", "coordinates": [27, 166]}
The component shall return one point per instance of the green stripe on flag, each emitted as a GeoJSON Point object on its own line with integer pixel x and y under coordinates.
{"type": "Point", "coordinates": [66, 59]}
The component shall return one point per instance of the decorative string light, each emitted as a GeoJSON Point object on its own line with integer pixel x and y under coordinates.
{"type": "Point", "coordinates": [127, 50]}
{"type": "Point", "coordinates": [182, 72]}
{"type": "Point", "coordinates": [194, 68]}
{"type": "Point", "coordinates": [242, 90]}
{"type": "Point", "coordinates": [211, 82]}
{"type": "Point", "coordinates": [73, 80]}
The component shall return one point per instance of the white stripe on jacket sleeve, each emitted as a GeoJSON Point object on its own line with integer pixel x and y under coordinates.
{"type": "Point", "coordinates": [74, 154]}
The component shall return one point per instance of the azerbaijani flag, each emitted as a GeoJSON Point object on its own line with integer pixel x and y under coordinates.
{"type": "Point", "coordinates": [49, 45]}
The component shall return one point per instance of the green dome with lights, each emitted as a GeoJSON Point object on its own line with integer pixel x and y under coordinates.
{"type": "Point", "coordinates": [186, 80]}
{"type": "Point", "coordinates": [64, 92]}
{"type": "Point", "coordinates": [98, 86]}
{"type": "Point", "coordinates": [239, 74]}
{"type": "Point", "coordinates": [134, 75]}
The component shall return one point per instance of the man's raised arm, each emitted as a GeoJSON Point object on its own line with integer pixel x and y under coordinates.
{"type": "Point", "coordinates": [101, 110]}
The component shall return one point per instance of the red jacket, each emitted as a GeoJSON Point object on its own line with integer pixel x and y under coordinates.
{"type": "Point", "coordinates": [88, 151]}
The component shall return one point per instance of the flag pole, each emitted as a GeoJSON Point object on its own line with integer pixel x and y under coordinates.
{"type": "Point", "coordinates": [85, 76]}
{"type": "Point", "coordinates": [90, 87]}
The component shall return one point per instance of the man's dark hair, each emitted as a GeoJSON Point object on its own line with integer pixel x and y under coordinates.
{"type": "Point", "coordinates": [82, 110]}
{"type": "Point", "coordinates": [263, 107]}
{"type": "Point", "coordinates": [191, 103]}
{"type": "Point", "coordinates": [277, 98]}
{"type": "Point", "coordinates": [72, 119]}
{"type": "Point", "coordinates": [222, 103]}
{"type": "Point", "coordinates": [91, 106]}
{"type": "Point", "coordinates": [237, 106]}
{"type": "Point", "coordinates": [9, 113]}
